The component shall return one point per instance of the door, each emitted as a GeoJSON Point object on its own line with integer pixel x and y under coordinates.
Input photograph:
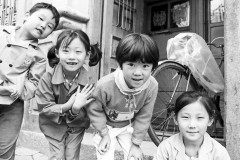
{"type": "Point", "coordinates": [120, 17]}
{"type": "Point", "coordinates": [215, 26]}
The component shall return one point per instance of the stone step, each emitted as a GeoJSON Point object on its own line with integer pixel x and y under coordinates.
{"type": "Point", "coordinates": [37, 142]}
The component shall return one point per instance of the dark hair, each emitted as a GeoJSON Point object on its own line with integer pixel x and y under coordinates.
{"type": "Point", "coordinates": [137, 47]}
{"type": "Point", "coordinates": [43, 5]}
{"type": "Point", "coordinates": [65, 38]}
{"type": "Point", "coordinates": [189, 97]}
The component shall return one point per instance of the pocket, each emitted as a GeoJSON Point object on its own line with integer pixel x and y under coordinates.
{"type": "Point", "coordinates": [23, 62]}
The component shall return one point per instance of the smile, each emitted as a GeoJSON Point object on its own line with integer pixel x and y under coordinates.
{"type": "Point", "coordinates": [71, 63]}
{"type": "Point", "coordinates": [136, 79]}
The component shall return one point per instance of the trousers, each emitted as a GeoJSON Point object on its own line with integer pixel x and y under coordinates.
{"type": "Point", "coordinates": [117, 135]}
{"type": "Point", "coordinates": [10, 124]}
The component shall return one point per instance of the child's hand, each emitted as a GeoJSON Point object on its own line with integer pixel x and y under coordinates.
{"type": "Point", "coordinates": [81, 98]}
{"type": "Point", "coordinates": [7, 91]}
{"type": "Point", "coordinates": [14, 94]}
{"type": "Point", "coordinates": [104, 144]}
{"type": "Point", "coordinates": [135, 153]}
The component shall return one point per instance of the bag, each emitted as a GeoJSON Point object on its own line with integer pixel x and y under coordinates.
{"type": "Point", "coordinates": [191, 50]}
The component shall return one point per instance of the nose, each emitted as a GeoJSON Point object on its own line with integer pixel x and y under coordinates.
{"type": "Point", "coordinates": [71, 55]}
{"type": "Point", "coordinates": [137, 71]}
{"type": "Point", "coordinates": [43, 25]}
{"type": "Point", "coordinates": [192, 123]}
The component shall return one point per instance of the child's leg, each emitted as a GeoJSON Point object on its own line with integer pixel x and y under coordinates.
{"type": "Point", "coordinates": [73, 143]}
{"type": "Point", "coordinates": [125, 141]}
{"type": "Point", "coordinates": [10, 125]}
{"type": "Point", "coordinates": [57, 148]}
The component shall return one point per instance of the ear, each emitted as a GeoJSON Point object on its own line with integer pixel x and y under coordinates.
{"type": "Point", "coordinates": [27, 14]}
{"type": "Point", "coordinates": [175, 120]}
{"type": "Point", "coordinates": [56, 53]}
{"type": "Point", "coordinates": [88, 55]}
{"type": "Point", "coordinates": [210, 122]}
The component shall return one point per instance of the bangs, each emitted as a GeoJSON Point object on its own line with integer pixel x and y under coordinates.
{"type": "Point", "coordinates": [138, 52]}
{"type": "Point", "coordinates": [68, 39]}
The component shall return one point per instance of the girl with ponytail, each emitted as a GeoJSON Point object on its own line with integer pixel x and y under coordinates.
{"type": "Point", "coordinates": [64, 92]}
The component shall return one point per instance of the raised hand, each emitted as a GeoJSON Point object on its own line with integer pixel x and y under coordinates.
{"type": "Point", "coordinates": [82, 98]}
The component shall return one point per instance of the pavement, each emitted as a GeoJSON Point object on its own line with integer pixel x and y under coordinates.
{"type": "Point", "coordinates": [34, 146]}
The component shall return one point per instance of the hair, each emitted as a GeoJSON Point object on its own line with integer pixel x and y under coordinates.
{"type": "Point", "coordinates": [137, 47]}
{"type": "Point", "coordinates": [65, 38]}
{"type": "Point", "coordinates": [43, 5]}
{"type": "Point", "coordinates": [190, 97]}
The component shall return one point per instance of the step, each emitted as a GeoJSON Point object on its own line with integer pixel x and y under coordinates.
{"type": "Point", "coordinates": [36, 141]}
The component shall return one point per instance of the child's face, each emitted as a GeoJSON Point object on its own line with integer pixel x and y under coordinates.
{"type": "Point", "coordinates": [73, 57]}
{"type": "Point", "coordinates": [193, 121]}
{"type": "Point", "coordinates": [40, 24]}
{"type": "Point", "coordinates": [136, 73]}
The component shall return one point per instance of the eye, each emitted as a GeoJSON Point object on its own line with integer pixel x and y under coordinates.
{"type": "Point", "coordinates": [200, 117]}
{"type": "Point", "coordinates": [50, 26]}
{"type": "Point", "coordinates": [131, 64]}
{"type": "Point", "coordinates": [40, 18]}
{"type": "Point", "coordinates": [184, 117]}
{"type": "Point", "coordinates": [65, 50]}
{"type": "Point", "coordinates": [78, 52]}
{"type": "Point", "coordinates": [146, 66]}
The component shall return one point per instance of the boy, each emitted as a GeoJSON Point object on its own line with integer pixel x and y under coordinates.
{"type": "Point", "coordinates": [22, 63]}
{"type": "Point", "coordinates": [124, 99]}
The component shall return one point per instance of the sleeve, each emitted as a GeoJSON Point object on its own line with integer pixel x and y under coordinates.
{"type": "Point", "coordinates": [46, 101]}
{"type": "Point", "coordinates": [96, 111]}
{"type": "Point", "coordinates": [143, 117]}
{"type": "Point", "coordinates": [37, 69]}
{"type": "Point", "coordinates": [162, 152]}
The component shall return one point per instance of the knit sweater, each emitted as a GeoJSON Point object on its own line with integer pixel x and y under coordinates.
{"type": "Point", "coordinates": [112, 107]}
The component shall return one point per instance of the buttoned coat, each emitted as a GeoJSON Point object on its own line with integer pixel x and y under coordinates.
{"type": "Point", "coordinates": [21, 64]}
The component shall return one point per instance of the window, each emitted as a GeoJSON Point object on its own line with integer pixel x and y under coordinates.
{"type": "Point", "coordinates": [170, 16]}
{"type": "Point", "coordinates": [217, 11]}
{"type": "Point", "coordinates": [123, 14]}
{"type": "Point", "coordinates": [8, 12]}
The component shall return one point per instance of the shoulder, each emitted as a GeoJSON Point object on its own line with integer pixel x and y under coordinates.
{"type": "Point", "coordinates": [47, 76]}
{"type": "Point", "coordinates": [106, 81]}
{"type": "Point", "coordinates": [153, 82]}
{"type": "Point", "coordinates": [218, 150]}
{"type": "Point", "coordinates": [217, 147]}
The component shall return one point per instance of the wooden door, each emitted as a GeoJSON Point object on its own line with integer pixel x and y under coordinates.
{"type": "Point", "coordinates": [120, 17]}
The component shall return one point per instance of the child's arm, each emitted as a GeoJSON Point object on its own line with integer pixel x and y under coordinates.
{"type": "Point", "coordinates": [104, 144]}
{"type": "Point", "coordinates": [46, 101]}
{"type": "Point", "coordinates": [135, 152]}
{"type": "Point", "coordinates": [6, 90]}
{"type": "Point", "coordinates": [37, 69]}
{"type": "Point", "coordinates": [143, 117]}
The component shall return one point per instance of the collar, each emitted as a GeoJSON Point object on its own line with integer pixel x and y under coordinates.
{"type": "Point", "coordinates": [205, 148]}
{"type": "Point", "coordinates": [122, 85]}
{"type": "Point", "coordinates": [57, 78]}
{"type": "Point", "coordinates": [11, 38]}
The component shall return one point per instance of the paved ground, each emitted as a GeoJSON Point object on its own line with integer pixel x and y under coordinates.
{"type": "Point", "coordinates": [33, 146]}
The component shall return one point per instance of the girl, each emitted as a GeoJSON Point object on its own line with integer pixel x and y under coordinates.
{"type": "Point", "coordinates": [61, 95]}
{"type": "Point", "coordinates": [193, 114]}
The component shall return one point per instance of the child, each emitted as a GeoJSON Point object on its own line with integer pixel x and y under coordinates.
{"type": "Point", "coordinates": [21, 64]}
{"type": "Point", "coordinates": [61, 95]}
{"type": "Point", "coordinates": [193, 114]}
{"type": "Point", "coordinates": [125, 99]}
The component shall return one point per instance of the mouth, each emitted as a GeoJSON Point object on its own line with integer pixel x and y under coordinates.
{"type": "Point", "coordinates": [39, 30]}
{"type": "Point", "coordinates": [134, 79]}
{"type": "Point", "coordinates": [192, 132]}
{"type": "Point", "coordinates": [71, 63]}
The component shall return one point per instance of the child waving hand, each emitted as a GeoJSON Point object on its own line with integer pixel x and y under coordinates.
{"type": "Point", "coordinates": [64, 92]}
